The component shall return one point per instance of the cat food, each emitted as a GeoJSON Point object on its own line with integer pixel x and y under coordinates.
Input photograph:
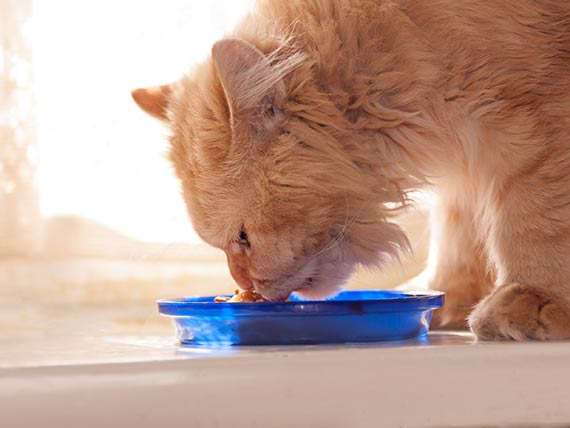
{"type": "Point", "coordinates": [241, 296]}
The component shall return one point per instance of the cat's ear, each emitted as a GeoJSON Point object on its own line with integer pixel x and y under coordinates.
{"type": "Point", "coordinates": [252, 87]}
{"type": "Point", "coordinates": [153, 101]}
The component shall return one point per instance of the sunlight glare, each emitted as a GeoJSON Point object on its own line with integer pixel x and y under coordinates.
{"type": "Point", "coordinates": [100, 157]}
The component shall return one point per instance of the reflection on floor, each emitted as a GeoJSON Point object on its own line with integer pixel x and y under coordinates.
{"type": "Point", "coordinates": [52, 335]}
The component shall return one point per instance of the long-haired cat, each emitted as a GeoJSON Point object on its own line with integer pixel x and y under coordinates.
{"type": "Point", "coordinates": [303, 133]}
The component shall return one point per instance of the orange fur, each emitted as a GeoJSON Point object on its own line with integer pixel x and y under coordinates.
{"type": "Point", "coordinates": [309, 128]}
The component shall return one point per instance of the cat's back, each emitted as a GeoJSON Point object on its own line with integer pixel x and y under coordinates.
{"type": "Point", "coordinates": [533, 35]}
{"type": "Point", "coordinates": [514, 51]}
{"type": "Point", "coordinates": [529, 35]}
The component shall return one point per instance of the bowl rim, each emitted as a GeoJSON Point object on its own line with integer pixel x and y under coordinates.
{"type": "Point", "coordinates": [403, 300]}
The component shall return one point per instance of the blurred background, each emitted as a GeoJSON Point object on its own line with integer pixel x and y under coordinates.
{"type": "Point", "coordinates": [90, 212]}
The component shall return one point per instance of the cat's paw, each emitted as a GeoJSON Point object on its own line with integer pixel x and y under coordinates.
{"type": "Point", "coordinates": [521, 312]}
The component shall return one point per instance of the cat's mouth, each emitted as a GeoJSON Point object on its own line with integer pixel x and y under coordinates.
{"type": "Point", "coordinates": [279, 290]}
{"type": "Point", "coordinates": [318, 278]}
{"type": "Point", "coordinates": [276, 294]}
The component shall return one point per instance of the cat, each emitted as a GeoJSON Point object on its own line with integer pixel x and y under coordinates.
{"type": "Point", "coordinates": [304, 133]}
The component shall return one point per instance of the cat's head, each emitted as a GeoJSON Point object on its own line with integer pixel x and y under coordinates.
{"type": "Point", "coordinates": [269, 173]}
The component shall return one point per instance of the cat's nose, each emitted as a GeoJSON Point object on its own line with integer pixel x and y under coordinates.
{"type": "Point", "coordinates": [239, 271]}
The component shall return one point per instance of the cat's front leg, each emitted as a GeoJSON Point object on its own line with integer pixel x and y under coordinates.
{"type": "Point", "coordinates": [457, 262]}
{"type": "Point", "coordinates": [529, 242]}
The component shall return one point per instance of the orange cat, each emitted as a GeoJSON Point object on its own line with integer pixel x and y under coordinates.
{"type": "Point", "coordinates": [301, 136]}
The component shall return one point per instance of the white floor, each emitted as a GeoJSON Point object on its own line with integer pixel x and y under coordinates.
{"type": "Point", "coordinates": [104, 372]}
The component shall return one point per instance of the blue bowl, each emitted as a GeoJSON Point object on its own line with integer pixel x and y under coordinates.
{"type": "Point", "coordinates": [351, 316]}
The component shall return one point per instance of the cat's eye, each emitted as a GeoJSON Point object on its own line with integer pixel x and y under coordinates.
{"type": "Point", "coordinates": [243, 239]}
